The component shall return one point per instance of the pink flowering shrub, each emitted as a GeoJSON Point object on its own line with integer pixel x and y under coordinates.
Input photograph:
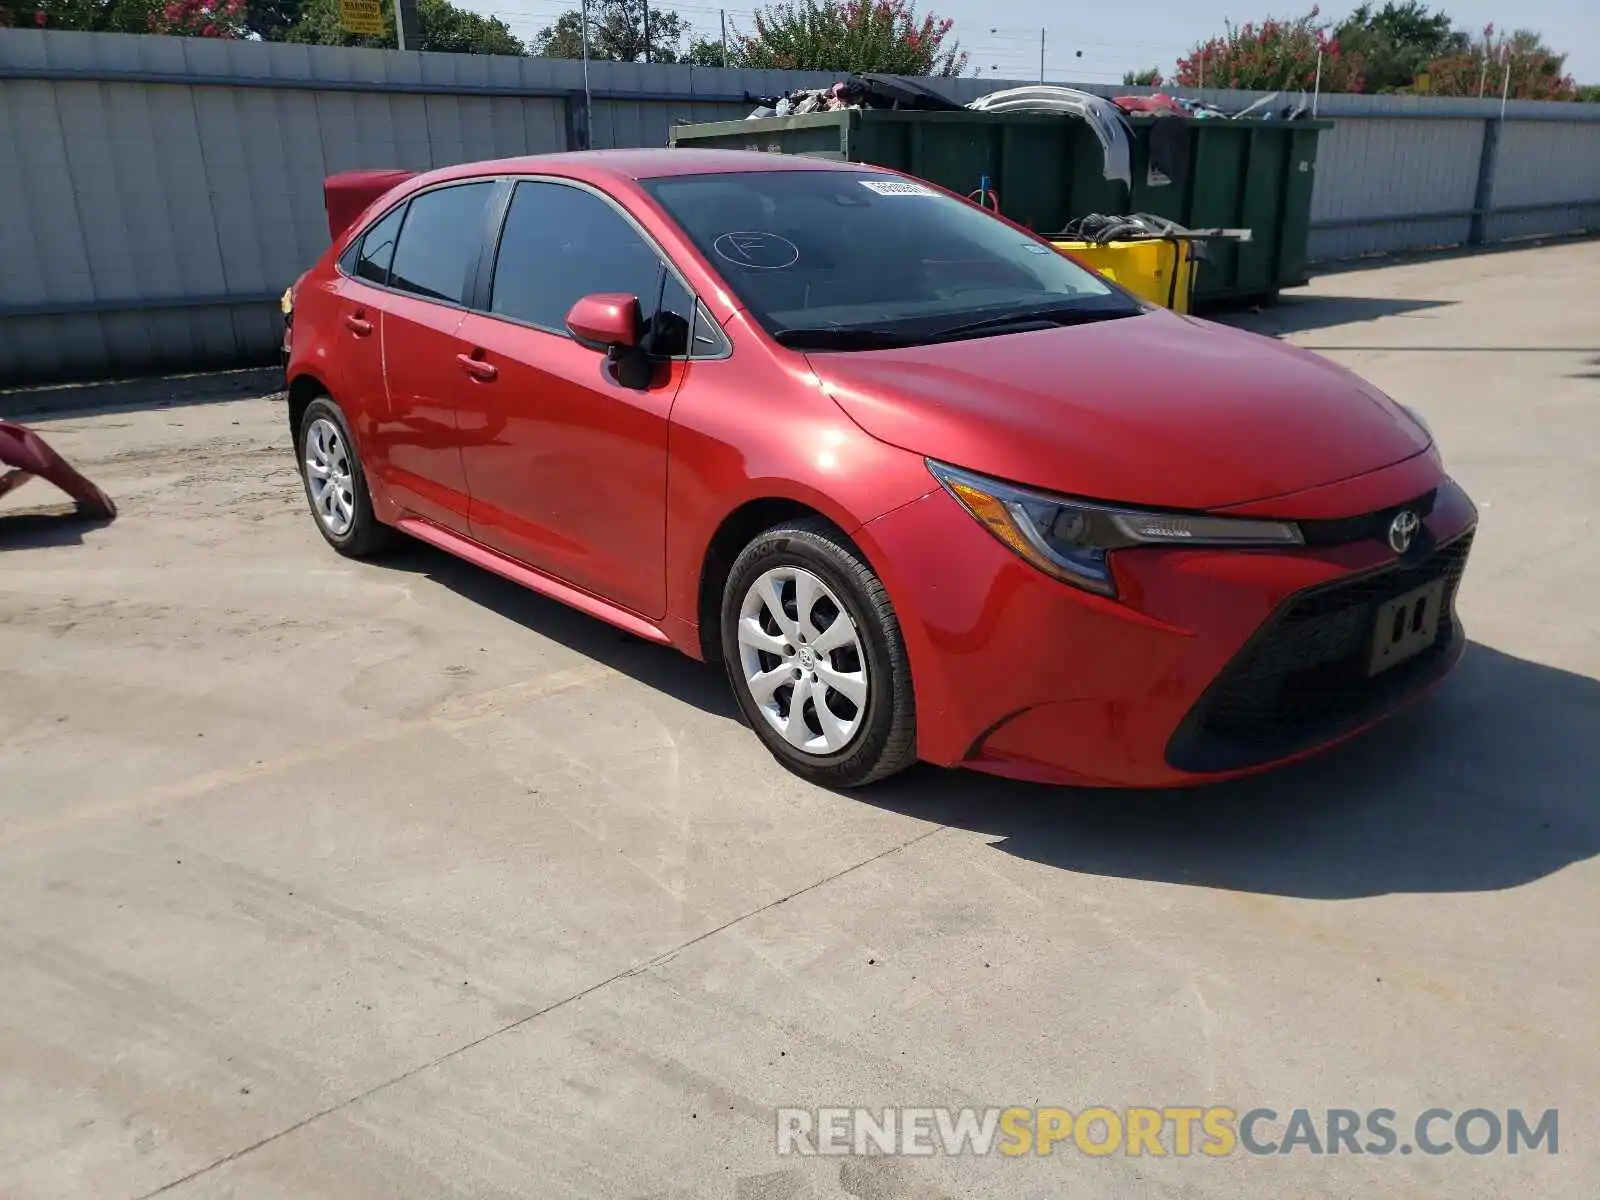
{"type": "Point", "coordinates": [850, 35]}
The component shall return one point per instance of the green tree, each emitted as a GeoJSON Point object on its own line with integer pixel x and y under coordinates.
{"type": "Point", "coordinates": [1149, 77]}
{"type": "Point", "coordinates": [707, 52]}
{"type": "Point", "coordinates": [1537, 72]}
{"type": "Point", "coordinates": [849, 36]}
{"type": "Point", "coordinates": [271, 20]}
{"type": "Point", "coordinates": [1398, 41]}
{"type": "Point", "coordinates": [1587, 93]}
{"type": "Point", "coordinates": [441, 26]}
{"type": "Point", "coordinates": [616, 33]}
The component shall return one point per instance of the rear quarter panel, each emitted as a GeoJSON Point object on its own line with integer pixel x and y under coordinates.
{"type": "Point", "coordinates": [345, 369]}
{"type": "Point", "coordinates": [315, 316]}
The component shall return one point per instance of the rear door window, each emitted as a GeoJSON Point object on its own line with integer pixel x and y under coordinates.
{"type": "Point", "coordinates": [440, 242]}
{"type": "Point", "coordinates": [375, 251]}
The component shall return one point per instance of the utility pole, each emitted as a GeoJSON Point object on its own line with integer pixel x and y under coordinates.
{"type": "Point", "coordinates": [588, 100]}
{"type": "Point", "coordinates": [1041, 56]}
{"type": "Point", "coordinates": [647, 30]}
{"type": "Point", "coordinates": [724, 14]}
{"type": "Point", "coordinates": [407, 34]}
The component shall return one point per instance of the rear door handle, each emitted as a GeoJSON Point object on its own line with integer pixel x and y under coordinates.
{"type": "Point", "coordinates": [477, 368]}
{"type": "Point", "coordinates": [358, 326]}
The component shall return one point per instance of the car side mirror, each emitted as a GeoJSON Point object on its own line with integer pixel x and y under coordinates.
{"type": "Point", "coordinates": [606, 321]}
{"type": "Point", "coordinates": [612, 322]}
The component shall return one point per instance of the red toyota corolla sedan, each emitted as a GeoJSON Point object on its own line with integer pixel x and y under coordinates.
{"type": "Point", "coordinates": [928, 488]}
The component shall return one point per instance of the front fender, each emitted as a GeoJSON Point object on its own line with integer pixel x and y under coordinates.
{"type": "Point", "coordinates": [736, 441]}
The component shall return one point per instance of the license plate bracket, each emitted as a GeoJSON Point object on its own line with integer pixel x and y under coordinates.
{"type": "Point", "coordinates": [1406, 626]}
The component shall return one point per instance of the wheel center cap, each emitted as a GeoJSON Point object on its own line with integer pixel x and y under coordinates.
{"type": "Point", "coordinates": [808, 658]}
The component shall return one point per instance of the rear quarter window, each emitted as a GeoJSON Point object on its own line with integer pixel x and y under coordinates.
{"type": "Point", "coordinates": [372, 253]}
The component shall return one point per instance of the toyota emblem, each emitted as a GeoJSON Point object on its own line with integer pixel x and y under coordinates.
{"type": "Point", "coordinates": [1403, 530]}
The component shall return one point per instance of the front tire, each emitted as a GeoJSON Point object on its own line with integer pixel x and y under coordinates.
{"type": "Point", "coordinates": [336, 485]}
{"type": "Point", "coordinates": [815, 656]}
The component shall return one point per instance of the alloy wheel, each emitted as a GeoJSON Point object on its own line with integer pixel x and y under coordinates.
{"type": "Point", "coordinates": [803, 661]}
{"type": "Point", "coordinates": [329, 477]}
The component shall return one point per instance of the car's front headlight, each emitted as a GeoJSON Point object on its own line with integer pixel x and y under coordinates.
{"type": "Point", "coordinates": [1073, 539]}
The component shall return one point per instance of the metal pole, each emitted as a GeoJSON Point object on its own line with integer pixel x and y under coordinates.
{"type": "Point", "coordinates": [1041, 56]}
{"type": "Point", "coordinates": [1317, 94]}
{"type": "Point", "coordinates": [647, 30]}
{"type": "Point", "coordinates": [1483, 73]}
{"type": "Point", "coordinates": [724, 14]}
{"type": "Point", "coordinates": [1505, 88]}
{"type": "Point", "coordinates": [588, 100]}
{"type": "Point", "coordinates": [407, 33]}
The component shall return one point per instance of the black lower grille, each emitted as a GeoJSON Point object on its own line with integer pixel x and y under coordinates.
{"type": "Point", "coordinates": [1304, 678]}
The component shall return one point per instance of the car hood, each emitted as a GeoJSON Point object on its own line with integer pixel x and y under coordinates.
{"type": "Point", "coordinates": [1157, 410]}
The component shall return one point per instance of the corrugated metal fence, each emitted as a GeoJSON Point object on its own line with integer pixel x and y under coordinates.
{"type": "Point", "coordinates": [157, 194]}
{"type": "Point", "coordinates": [1403, 173]}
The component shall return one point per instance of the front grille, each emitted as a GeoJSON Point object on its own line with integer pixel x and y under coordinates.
{"type": "Point", "coordinates": [1303, 678]}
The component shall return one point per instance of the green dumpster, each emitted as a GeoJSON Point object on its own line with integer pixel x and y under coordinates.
{"type": "Point", "coordinates": [1049, 169]}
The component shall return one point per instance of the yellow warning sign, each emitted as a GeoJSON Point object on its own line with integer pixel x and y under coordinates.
{"type": "Point", "coordinates": [362, 17]}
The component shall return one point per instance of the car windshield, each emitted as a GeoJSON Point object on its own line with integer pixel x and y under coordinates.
{"type": "Point", "coordinates": [858, 260]}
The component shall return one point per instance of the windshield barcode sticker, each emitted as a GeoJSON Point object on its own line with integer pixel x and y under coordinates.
{"type": "Point", "coordinates": [894, 187]}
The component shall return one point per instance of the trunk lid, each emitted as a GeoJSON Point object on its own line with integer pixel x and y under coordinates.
{"type": "Point", "coordinates": [347, 195]}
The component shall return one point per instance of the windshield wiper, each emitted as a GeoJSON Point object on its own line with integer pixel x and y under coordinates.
{"type": "Point", "coordinates": [866, 337]}
{"type": "Point", "coordinates": [841, 337]}
{"type": "Point", "coordinates": [1061, 315]}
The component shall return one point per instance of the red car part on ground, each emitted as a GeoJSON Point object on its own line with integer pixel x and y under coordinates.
{"type": "Point", "coordinates": [1095, 543]}
{"type": "Point", "coordinates": [29, 455]}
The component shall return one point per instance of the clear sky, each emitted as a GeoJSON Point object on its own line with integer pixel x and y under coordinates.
{"type": "Point", "coordinates": [1003, 38]}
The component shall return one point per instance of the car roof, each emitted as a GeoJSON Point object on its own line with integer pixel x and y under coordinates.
{"type": "Point", "coordinates": [601, 166]}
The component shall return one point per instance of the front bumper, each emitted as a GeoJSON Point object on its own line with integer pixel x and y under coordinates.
{"type": "Point", "coordinates": [1302, 680]}
{"type": "Point", "coordinates": [1211, 662]}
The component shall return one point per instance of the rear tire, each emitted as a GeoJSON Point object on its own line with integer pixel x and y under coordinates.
{"type": "Point", "coordinates": [815, 656]}
{"type": "Point", "coordinates": [336, 484]}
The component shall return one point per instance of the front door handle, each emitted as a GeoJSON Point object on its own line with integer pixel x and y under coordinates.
{"type": "Point", "coordinates": [358, 326]}
{"type": "Point", "coordinates": [477, 368]}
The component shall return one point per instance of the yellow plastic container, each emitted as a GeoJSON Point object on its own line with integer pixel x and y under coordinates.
{"type": "Point", "coordinates": [1162, 272]}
